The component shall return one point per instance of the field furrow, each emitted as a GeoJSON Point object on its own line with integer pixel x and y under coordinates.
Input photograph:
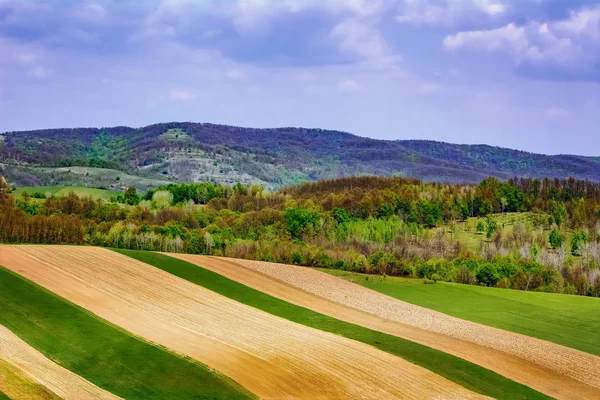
{"type": "Point", "coordinates": [272, 357]}
{"type": "Point", "coordinates": [547, 367]}
{"type": "Point", "coordinates": [26, 374]}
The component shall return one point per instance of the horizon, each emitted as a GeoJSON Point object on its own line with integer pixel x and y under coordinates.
{"type": "Point", "coordinates": [308, 128]}
{"type": "Point", "coordinates": [523, 75]}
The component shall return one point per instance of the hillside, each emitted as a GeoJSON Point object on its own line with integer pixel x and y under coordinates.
{"type": "Point", "coordinates": [271, 157]}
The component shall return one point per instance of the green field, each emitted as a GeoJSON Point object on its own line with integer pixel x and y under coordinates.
{"type": "Point", "coordinates": [453, 368]}
{"type": "Point", "coordinates": [102, 353]}
{"type": "Point", "coordinates": [572, 321]}
{"type": "Point", "coordinates": [64, 190]}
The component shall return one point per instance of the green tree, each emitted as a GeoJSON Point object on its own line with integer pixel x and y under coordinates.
{"type": "Point", "coordinates": [487, 274]}
{"type": "Point", "coordinates": [492, 226]}
{"type": "Point", "coordinates": [131, 197]}
{"type": "Point", "coordinates": [579, 239]}
{"type": "Point", "coordinates": [559, 212]}
{"type": "Point", "coordinates": [299, 220]}
{"type": "Point", "coordinates": [556, 239]}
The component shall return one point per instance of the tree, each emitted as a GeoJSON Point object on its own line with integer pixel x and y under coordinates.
{"type": "Point", "coordinates": [299, 220]}
{"type": "Point", "coordinates": [556, 239]}
{"type": "Point", "coordinates": [559, 212]}
{"type": "Point", "coordinates": [4, 189]}
{"type": "Point", "coordinates": [487, 275]}
{"type": "Point", "coordinates": [480, 226]}
{"type": "Point", "coordinates": [131, 197]}
{"type": "Point", "coordinates": [579, 239]}
{"type": "Point", "coordinates": [492, 226]}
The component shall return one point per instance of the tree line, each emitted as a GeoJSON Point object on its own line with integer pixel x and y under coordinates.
{"type": "Point", "coordinates": [391, 226]}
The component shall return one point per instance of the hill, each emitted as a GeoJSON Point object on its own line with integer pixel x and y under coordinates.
{"type": "Point", "coordinates": [272, 157]}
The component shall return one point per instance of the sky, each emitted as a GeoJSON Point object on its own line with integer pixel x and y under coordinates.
{"type": "Point", "coordinates": [522, 74]}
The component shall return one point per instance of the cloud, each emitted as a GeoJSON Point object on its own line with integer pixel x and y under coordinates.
{"type": "Point", "coordinates": [572, 44]}
{"type": "Point", "coordinates": [348, 86]}
{"type": "Point", "coordinates": [181, 95]}
{"type": "Point", "coordinates": [558, 113]}
{"type": "Point", "coordinates": [359, 39]}
{"type": "Point", "coordinates": [236, 74]}
{"type": "Point", "coordinates": [449, 12]}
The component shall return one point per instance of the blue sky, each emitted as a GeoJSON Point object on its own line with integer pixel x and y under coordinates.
{"type": "Point", "coordinates": [516, 73]}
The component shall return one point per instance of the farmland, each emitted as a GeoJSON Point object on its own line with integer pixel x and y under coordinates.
{"type": "Point", "coordinates": [257, 295]}
{"type": "Point", "coordinates": [192, 318]}
{"type": "Point", "coordinates": [571, 321]}
{"type": "Point", "coordinates": [544, 354]}
{"type": "Point", "coordinates": [99, 352]}
{"type": "Point", "coordinates": [186, 303]}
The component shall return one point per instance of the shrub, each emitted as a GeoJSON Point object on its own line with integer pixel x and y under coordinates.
{"type": "Point", "coordinates": [556, 239]}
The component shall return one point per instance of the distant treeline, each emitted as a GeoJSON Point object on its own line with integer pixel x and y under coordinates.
{"type": "Point", "coordinates": [390, 226]}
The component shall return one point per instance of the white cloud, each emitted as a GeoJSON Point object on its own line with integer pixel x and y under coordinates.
{"type": "Point", "coordinates": [39, 72]}
{"type": "Point", "coordinates": [236, 74]}
{"type": "Point", "coordinates": [348, 86]}
{"type": "Point", "coordinates": [362, 40]}
{"type": "Point", "coordinates": [181, 95]}
{"type": "Point", "coordinates": [573, 43]}
{"type": "Point", "coordinates": [25, 58]}
{"type": "Point", "coordinates": [448, 12]}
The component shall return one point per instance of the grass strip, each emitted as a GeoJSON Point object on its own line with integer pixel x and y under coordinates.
{"type": "Point", "coordinates": [572, 321]}
{"type": "Point", "coordinates": [466, 374]}
{"type": "Point", "coordinates": [3, 396]}
{"type": "Point", "coordinates": [102, 353]}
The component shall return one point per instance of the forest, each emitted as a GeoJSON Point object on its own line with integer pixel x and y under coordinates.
{"type": "Point", "coordinates": [386, 226]}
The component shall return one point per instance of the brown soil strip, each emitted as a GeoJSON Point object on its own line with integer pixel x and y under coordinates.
{"type": "Point", "coordinates": [25, 373]}
{"type": "Point", "coordinates": [555, 370]}
{"type": "Point", "coordinates": [270, 356]}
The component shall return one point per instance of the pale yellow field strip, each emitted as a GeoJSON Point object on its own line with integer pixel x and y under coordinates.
{"type": "Point", "coordinates": [27, 374]}
{"type": "Point", "coordinates": [17, 386]}
{"type": "Point", "coordinates": [270, 356]}
{"type": "Point", "coordinates": [552, 369]}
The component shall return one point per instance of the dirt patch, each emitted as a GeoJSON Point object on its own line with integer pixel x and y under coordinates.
{"type": "Point", "coordinates": [552, 369]}
{"type": "Point", "coordinates": [270, 356]}
{"type": "Point", "coordinates": [25, 373]}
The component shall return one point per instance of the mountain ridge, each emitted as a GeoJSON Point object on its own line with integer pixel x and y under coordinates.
{"type": "Point", "coordinates": [275, 157]}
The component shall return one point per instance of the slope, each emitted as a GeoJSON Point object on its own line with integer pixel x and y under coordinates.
{"type": "Point", "coordinates": [222, 277]}
{"type": "Point", "coordinates": [552, 361]}
{"type": "Point", "coordinates": [278, 157]}
{"type": "Point", "coordinates": [242, 342]}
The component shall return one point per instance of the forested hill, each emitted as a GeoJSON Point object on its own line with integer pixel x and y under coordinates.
{"type": "Point", "coordinates": [273, 157]}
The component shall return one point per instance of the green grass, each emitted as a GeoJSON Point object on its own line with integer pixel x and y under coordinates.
{"type": "Point", "coordinates": [3, 396]}
{"type": "Point", "coordinates": [65, 190]}
{"type": "Point", "coordinates": [572, 321]}
{"type": "Point", "coordinates": [453, 368]}
{"type": "Point", "coordinates": [102, 353]}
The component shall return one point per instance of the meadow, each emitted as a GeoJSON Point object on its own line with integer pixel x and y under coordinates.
{"type": "Point", "coordinates": [94, 193]}
{"type": "Point", "coordinates": [571, 321]}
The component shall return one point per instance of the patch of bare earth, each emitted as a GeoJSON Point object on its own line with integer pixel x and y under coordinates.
{"type": "Point", "coordinates": [25, 373]}
{"type": "Point", "coordinates": [555, 370]}
{"type": "Point", "coordinates": [270, 356]}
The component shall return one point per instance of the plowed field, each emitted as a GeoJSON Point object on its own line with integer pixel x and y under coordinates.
{"type": "Point", "coordinates": [26, 374]}
{"type": "Point", "coordinates": [272, 357]}
{"type": "Point", "coordinates": [552, 369]}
